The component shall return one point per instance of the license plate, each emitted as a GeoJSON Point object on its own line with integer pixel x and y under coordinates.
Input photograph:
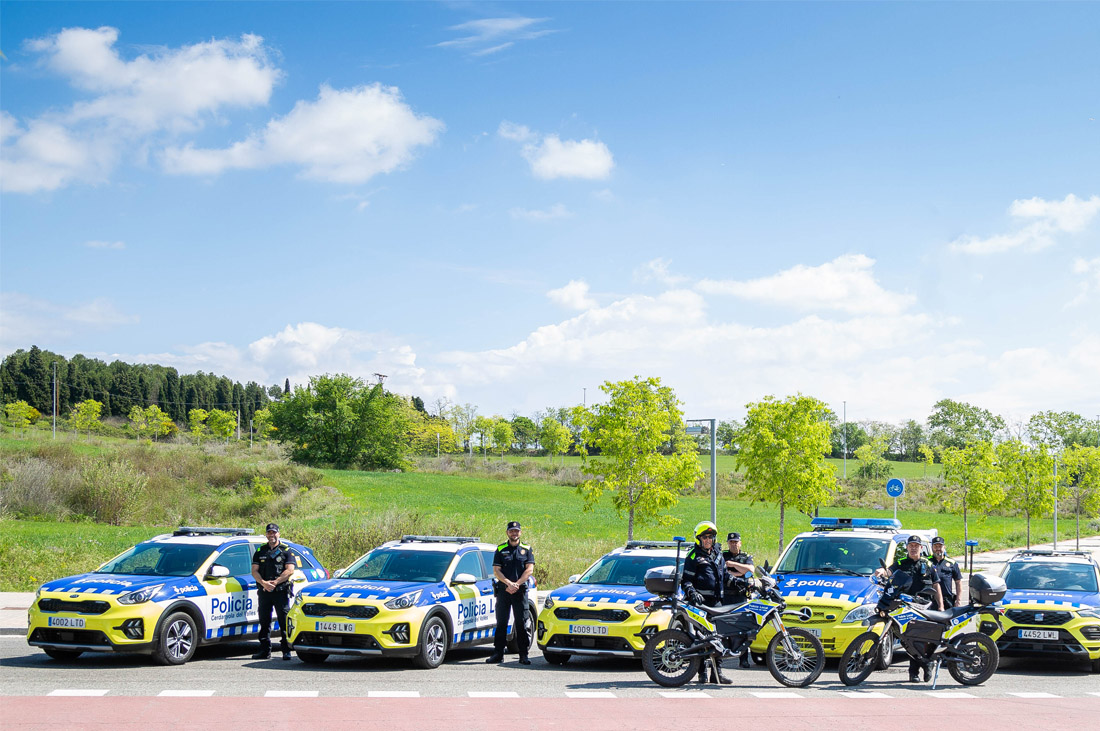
{"type": "Point", "coordinates": [335, 627]}
{"type": "Point", "coordinates": [1038, 634]}
{"type": "Point", "coordinates": [587, 629]}
{"type": "Point", "coordinates": [813, 631]}
{"type": "Point", "coordinates": [71, 622]}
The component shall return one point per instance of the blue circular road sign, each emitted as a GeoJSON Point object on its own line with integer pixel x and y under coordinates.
{"type": "Point", "coordinates": [895, 487]}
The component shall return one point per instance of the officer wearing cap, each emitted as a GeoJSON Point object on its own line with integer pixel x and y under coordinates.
{"type": "Point", "coordinates": [272, 566]}
{"type": "Point", "coordinates": [924, 575]}
{"type": "Point", "coordinates": [703, 582]}
{"type": "Point", "coordinates": [738, 563]}
{"type": "Point", "coordinates": [948, 573]}
{"type": "Point", "coordinates": [513, 563]}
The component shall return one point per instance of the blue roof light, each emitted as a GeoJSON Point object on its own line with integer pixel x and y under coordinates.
{"type": "Point", "coordinates": [873, 523]}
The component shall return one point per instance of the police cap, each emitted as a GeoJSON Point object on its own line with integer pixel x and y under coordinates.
{"type": "Point", "coordinates": [733, 537]}
{"type": "Point", "coordinates": [271, 527]}
{"type": "Point", "coordinates": [938, 541]}
{"type": "Point", "coordinates": [513, 525]}
{"type": "Point", "coordinates": [914, 539]}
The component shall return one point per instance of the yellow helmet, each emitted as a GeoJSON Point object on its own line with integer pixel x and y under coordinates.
{"type": "Point", "coordinates": [706, 527]}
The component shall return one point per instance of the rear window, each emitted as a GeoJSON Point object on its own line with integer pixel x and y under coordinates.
{"type": "Point", "coordinates": [1051, 577]}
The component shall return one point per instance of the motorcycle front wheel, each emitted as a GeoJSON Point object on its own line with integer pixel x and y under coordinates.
{"type": "Point", "coordinates": [662, 661]}
{"type": "Point", "coordinates": [979, 661]}
{"type": "Point", "coordinates": [797, 660]}
{"type": "Point", "coordinates": [860, 658]}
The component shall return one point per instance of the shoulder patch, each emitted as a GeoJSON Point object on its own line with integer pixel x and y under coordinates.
{"type": "Point", "coordinates": [526, 545]}
{"type": "Point", "coordinates": [502, 546]}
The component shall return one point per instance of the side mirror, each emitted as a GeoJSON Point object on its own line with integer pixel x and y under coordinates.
{"type": "Point", "coordinates": [338, 573]}
{"type": "Point", "coordinates": [573, 579]}
{"type": "Point", "coordinates": [464, 579]}
{"type": "Point", "coordinates": [767, 567]}
{"type": "Point", "coordinates": [217, 571]}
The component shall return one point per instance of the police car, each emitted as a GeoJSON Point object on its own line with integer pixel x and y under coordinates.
{"type": "Point", "coordinates": [601, 611]}
{"type": "Point", "coordinates": [416, 597]}
{"type": "Point", "coordinates": [1052, 607]}
{"type": "Point", "coordinates": [164, 597]}
{"type": "Point", "coordinates": [829, 570]}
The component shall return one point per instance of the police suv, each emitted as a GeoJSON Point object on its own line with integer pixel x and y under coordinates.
{"type": "Point", "coordinates": [602, 611]}
{"type": "Point", "coordinates": [164, 597]}
{"type": "Point", "coordinates": [417, 597]}
{"type": "Point", "coordinates": [829, 571]}
{"type": "Point", "coordinates": [1052, 607]}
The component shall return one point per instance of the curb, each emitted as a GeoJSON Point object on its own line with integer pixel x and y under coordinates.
{"type": "Point", "coordinates": [13, 631]}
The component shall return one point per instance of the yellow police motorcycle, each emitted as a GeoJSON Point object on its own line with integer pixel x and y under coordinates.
{"type": "Point", "coordinates": [950, 637]}
{"type": "Point", "coordinates": [698, 634]}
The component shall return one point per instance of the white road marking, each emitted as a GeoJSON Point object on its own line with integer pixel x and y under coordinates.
{"type": "Point", "coordinates": [393, 694]}
{"type": "Point", "coordinates": [1095, 694]}
{"type": "Point", "coordinates": [950, 694]}
{"type": "Point", "coordinates": [684, 694]}
{"type": "Point", "coordinates": [864, 694]}
{"type": "Point", "coordinates": [1036, 695]}
{"type": "Point", "coordinates": [78, 691]}
{"type": "Point", "coordinates": [186, 693]}
{"type": "Point", "coordinates": [776, 694]}
{"type": "Point", "coordinates": [589, 694]}
{"type": "Point", "coordinates": [492, 694]}
{"type": "Point", "coordinates": [292, 694]}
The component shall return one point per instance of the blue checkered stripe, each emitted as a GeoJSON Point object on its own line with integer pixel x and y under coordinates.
{"type": "Point", "coordinates": [347, 595]}
{"type": "Point", "coordinates": [1049, 603]}
{"type": "Point", "coordinates": [821, 595]}
{"type": "Point", "coordinates": [601, 599]}
{"type": "Point", "coordinates": [239, 630]}
{"type": "Point", "coordinates": [472, 635]}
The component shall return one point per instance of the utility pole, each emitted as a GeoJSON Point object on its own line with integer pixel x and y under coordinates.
{"type": "Point", "coordinates": [55, 399]}
{"type": "Point", "coordinates": [584, 397]}
{"type": "Point", "coordinates": [1055, 503]}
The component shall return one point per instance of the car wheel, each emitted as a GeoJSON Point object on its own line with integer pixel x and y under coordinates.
{"type": "Point", "coordinates": [556, 658]}
{"type": "Point", "coordinates": [177, 640]}
{"type": "Point", "coordinates": [62, 654]}
{"type": "Point", "coordinates": [433, 644]}
{"type": "Point", "coordinates": [312, 658]}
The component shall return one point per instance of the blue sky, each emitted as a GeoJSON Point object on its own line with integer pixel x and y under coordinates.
{"type": "Point", "coordinates": [506, 204]}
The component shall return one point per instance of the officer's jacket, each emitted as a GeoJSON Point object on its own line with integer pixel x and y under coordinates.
{"type": "Point", "coordinates": [273, 561]}
{"type": "Point", "coordinates": [706, 573]}
{"type": "Point", "coordinates": [947, 571]}
{"type": "Point", "coordinates": [923, 573]}
{"type": "Point", "coordinates": [513, 560]}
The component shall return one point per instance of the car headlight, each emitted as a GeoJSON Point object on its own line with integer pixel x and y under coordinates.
{"type": "Point", "coordinates": [860, 613]}
{"type": "Point", "coordinates": [404, 601]}
{"type": "Point", "coordinates": [643, 607]}
{"type": "Point", "coordinates": [1090, 613]}
{"type": "Point", "coordinates": [140, 596]}
{"type": "Point", "coordinates": [549, 603]}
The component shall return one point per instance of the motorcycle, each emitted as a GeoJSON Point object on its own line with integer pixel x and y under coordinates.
{"type": "Point", "coordinates": [698, 633]}
{"type": "Point", "coordinates": [949, 637]}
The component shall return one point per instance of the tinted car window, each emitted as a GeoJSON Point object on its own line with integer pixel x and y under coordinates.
{"type": "Point", "coordinates": [238, 559]}
{"type": "Point", "coordinates": [470, 563]}
{"type": "Point", "coordinates": [835, 555]}
{"type": "Point", "coordinates": [1051, 576]}
{"type": "Point", "coordinates": [624, 570]}
{"type": "Point", "coordinates": [387, 564]}
{"type": "Point", "coordinates": [159, 559]}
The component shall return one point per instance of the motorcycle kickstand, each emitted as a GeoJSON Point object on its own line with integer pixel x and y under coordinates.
{"type": "Point", "coordinates": [935, 672]}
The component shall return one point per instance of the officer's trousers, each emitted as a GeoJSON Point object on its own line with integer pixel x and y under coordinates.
{"type": "Point", "coordinates": [516, 605]}
{"type": "Point", "coordinates": [279, 600]}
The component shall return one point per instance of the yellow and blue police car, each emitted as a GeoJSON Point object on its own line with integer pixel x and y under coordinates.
{"type": "Point", "coordinates": [602, 612]}
{"type": "Point", "coordinates": [1052, 608]}
{"type": "Point", "coordinates": [829, 571]}
{"type": "Point", "coordinates": [163, 597]}
{"type": "Point", "coordinates": [415, 597]}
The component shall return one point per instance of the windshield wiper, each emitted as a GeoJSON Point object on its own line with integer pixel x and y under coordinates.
{"type": "Point", "coordinates": [846, 572]}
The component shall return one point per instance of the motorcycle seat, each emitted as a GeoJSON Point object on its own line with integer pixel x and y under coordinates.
{"type": "Point", "coordinates": [720, 609]}
{"type": "Point", "coordinates": [944, 617]}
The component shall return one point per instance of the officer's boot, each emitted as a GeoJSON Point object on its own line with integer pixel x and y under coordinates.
{"type": "Point", "coordinates": [716, 675]}
{"type": "Point", "coordinates": [745, 658]}
{"type": "Point", "coordinates": [703, 671]}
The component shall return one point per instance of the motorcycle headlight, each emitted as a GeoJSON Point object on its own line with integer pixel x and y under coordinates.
{"type": "Point", "coordinates": [860, 613]}
{"type": "Point", "coordinates": [404, 601]}
{"type": "Point", "coordinates": [549, 603]}
{"type": "Point", "coordinates": [1090, 613]}
{"type": "Point", "coordinates": [140, 596]}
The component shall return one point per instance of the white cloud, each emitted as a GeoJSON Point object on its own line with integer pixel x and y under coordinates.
{"type": "Point", "coordinates": [345, 136]}
{"type": "Point", "coordinates": [573, 295]}
{"type": "Point", "coordinates": [117, 245]}
{"type": "Point", "coordinates": [1089, 270]}
{"type": "Point", "coordinates": [28, 320]}
{"type": "Point", "coordinates": [557, 210]}
{"type": "Point", "coordinates": [551, 157]}
{"type": "Point", "coordinates": [516, 132]}
{"type": "Point", "coordinates": [490, 35]}
{"type": "Point", "coordinates": [1049, 219]}
{"type": "Point", "coordinates": [656, 270]}
{"type": "Point", "coordinates": [846, 284]}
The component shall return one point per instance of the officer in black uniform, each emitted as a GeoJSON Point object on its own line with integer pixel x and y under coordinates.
{"type": "Point", "coordinates": [924, 575]}
{"type": "Point", "coordinates": [738, 563]}
{"type": "Point", "coordinates": [948, 573]}
{"type": "Point", "coordinates": [703, 583]}
{"type": "Point", "coordinates": [272, 566]}
{"type": "Point", "coordinates": [513, 563]}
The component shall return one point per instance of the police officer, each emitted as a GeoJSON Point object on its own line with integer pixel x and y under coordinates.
{"type": "Point", "coordinates": [513, 563]}
{"type": "Point", "coordinates": [703, 582]}
{"type": "Point", "coordinates": [923, 575]}
{"type": "Point", "coordinates": [272, 566]}
{"type": "Point", "coordinates": [738, 563]}
{"type": "Point", "coordinates": [948, 573]}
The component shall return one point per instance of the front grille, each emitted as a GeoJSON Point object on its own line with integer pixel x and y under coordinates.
{"type": "Point", "coordinates": [583, 642]}
{"type": "Point", "coordinates": [821, 614]}
{"type": "Point", "coordinates": [336, 640]}
{"type": "Point", "coordinates": [1038, 617]}
{"type": "Point", "coordinates": [62, 605]}
{"type": "Point", "coordinates": [69, 636]}
{"type": "Point", "coordinates": [600, 615]}
{"type": "Point", "coordinates": [329, 610]}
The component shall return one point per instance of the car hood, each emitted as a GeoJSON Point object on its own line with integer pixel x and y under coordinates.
{"type": "Point", "coordinates": [613, 593]}
{"type": "Point", "coordinates": [855, 589]}
{"type": "Point", "coordinates": [1064, 598]}
{"type": "Point", "coordinates": [367, 589]}
{"type": "Point", "coordinates": [109, 583]}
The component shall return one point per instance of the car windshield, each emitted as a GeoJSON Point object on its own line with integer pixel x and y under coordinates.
{"type": "Point", "coordinates": [1051, 576]}
{"type": "Point", "coordinates": [624, 570]}
{"type": "Point", "coordinates": [388, 564]}
{"type": "Point", "coordinates": [159, 559]}
{"type": "Point", "coordinates": [835, 554]}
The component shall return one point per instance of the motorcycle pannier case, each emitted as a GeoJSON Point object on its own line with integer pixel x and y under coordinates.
{"type": "Point", "coordinates": [986, 589]}
{"type": "Point", "coordinates": [661, 580]}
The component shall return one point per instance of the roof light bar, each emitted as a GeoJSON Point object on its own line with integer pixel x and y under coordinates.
{"type": "Point", "coordinates": [651, 544]}
{"type": "Point", "coordinates": [890, 524]}
{"type": "Point", "coordinates": [186, 530]}
{"type": "Point", "coordinates": [440, 539]}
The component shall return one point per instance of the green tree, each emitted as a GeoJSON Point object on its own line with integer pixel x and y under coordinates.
{"type": "Point", "coordinates": [221, 423]}
{"type": "Point", "coordinates": [971, 479]}
{"type": "Point", "coordinates": [639, 419]}
{"type": "Point", "coordinates": [727, 435]}
{"type": "Point", "coordinates": [844, 437]}
{"type": "Point", "coordinates": [483, 429]}
{"type": "Point", "coordinates": [1029, 474]}
{"type": "Point", "coordinates": [139, 421]}
{"type": "Point", "coordinates": [956, 424]}
{"type": "Point", "coordinates": [873, 464]}
{"type": "Point", "coordinates": [927, 457]}
{"type": "Point", "coordinates": [525, 431]}
{"type": "Point", "coordinates": [1060, 429]}
{"type": "Point", "coordinates": [1082, 474]}
{"type": "Point", "coordinates": [431, 435]}
{"type": "Point", "coordinates": [910, 437]}
{"type": "Point", "coordinates": [554, 438]}
{"type": "Point", "coordinates": [262, 423]}
{"type": "Point", "coordinates": [783, 448]}
{"type": "Point", "coordinates": [160, 424]}
{"type": "Point", "coordinates": [462, 422]}
{"type": "Point", "coordinates": [85, 415]}
{"type": "Point", "coordinates": [196, 420]}
{"type": "Point", "coordinates": [502, 436]}
{"type": "Point", "coordinates": [21, 414]}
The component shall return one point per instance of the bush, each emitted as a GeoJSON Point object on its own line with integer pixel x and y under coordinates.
{"type": "Point", "coordinates": [108, 490]}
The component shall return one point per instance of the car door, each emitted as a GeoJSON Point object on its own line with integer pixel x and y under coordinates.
{"type": "Point", "coordinates": [471, 606]}
{"type": "Point", "coordinates": [232, 608]}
